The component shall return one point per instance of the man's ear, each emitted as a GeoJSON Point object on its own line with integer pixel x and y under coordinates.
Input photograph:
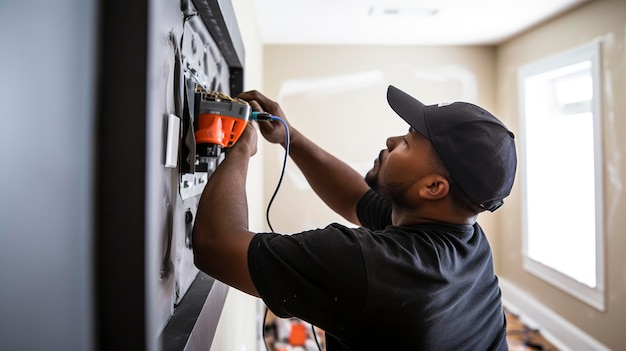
{"type": "Point", "coordinates": [434, 187]}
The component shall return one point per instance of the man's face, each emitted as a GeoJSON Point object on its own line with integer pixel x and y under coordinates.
{"type": "Point", "coordinates": [406, 160]}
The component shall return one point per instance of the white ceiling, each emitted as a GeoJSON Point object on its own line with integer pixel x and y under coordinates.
{"type": "Point", "coordinates": [401, 22]}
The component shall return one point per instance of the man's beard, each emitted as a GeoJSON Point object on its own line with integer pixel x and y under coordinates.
{"type": "Point", "coordinates": [394, 192]}
{"type": "Point", "coordinates": [371, 177]}
{"type": "Point", "coordinates": [372, 180]}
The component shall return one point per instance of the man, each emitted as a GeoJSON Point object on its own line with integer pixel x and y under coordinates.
{"type": "Point", "coordinates": [417, 274]}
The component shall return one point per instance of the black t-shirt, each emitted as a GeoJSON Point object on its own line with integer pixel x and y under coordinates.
{"type": "Point", "coordinates": [383, 287]}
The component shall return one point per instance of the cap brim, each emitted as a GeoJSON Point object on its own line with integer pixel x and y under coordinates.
{"type": "Point", "coordinates": [409, 108]}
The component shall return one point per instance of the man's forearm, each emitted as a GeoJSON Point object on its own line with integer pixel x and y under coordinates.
{"type": "Point", "coordinates": [220, 234]}
{"type": "Point", "coordinates": [223, 205]}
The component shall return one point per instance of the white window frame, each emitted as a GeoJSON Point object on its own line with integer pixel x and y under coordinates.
{"type": "Point", "coordinates": [594, 296]}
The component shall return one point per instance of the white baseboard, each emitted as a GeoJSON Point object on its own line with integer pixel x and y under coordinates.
{"type": "Point", "coordinates": [553, 327]}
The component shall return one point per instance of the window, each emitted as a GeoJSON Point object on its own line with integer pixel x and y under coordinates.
{"type": "Point", "coordinates": [561, 171]}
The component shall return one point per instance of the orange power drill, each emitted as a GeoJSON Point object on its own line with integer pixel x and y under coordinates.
{"type": "Point", "coordinates": [220, 120]}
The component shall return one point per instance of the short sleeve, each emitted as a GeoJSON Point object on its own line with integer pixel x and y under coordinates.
{"type": "Point", "coordinates": [318, 275]}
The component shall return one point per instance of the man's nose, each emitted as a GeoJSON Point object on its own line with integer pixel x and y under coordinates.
{"type": "Point", "coordinates": [392, 142]}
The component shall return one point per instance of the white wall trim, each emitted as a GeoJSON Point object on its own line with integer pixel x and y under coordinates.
{"type": "Point", "coordinates": [556, 329]}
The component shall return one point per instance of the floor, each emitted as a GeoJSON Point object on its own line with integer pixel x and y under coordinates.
{"type": "Point", "coordinates": [522, 338]}
{"type": "Point", "coordinates": [519, 336]}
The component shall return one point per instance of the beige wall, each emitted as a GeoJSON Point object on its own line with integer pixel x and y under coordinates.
{"type": "Point", "coordinates": [604, 20]}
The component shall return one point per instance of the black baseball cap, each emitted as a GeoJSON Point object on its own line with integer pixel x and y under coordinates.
{"type": "Point", "coordinates": [475, 146]}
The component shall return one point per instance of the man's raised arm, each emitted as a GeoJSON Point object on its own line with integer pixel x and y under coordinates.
{"type": "Point", "coordinates": [335, 182]}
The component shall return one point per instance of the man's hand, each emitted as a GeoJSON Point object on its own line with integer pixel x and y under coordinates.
{"type": "Point", "coordinates": [273, 131]}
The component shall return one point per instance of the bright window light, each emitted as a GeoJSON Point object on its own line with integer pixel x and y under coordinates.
{"type": "Point", "coordinates": [561, 172]}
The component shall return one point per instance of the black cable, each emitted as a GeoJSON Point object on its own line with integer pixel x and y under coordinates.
{"type": "Point", "coordinates": [282, 173]}
{"type": "Point", "coordinates": [267, 348]}
{"type": "Point", "coordinates": [319, 347]}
